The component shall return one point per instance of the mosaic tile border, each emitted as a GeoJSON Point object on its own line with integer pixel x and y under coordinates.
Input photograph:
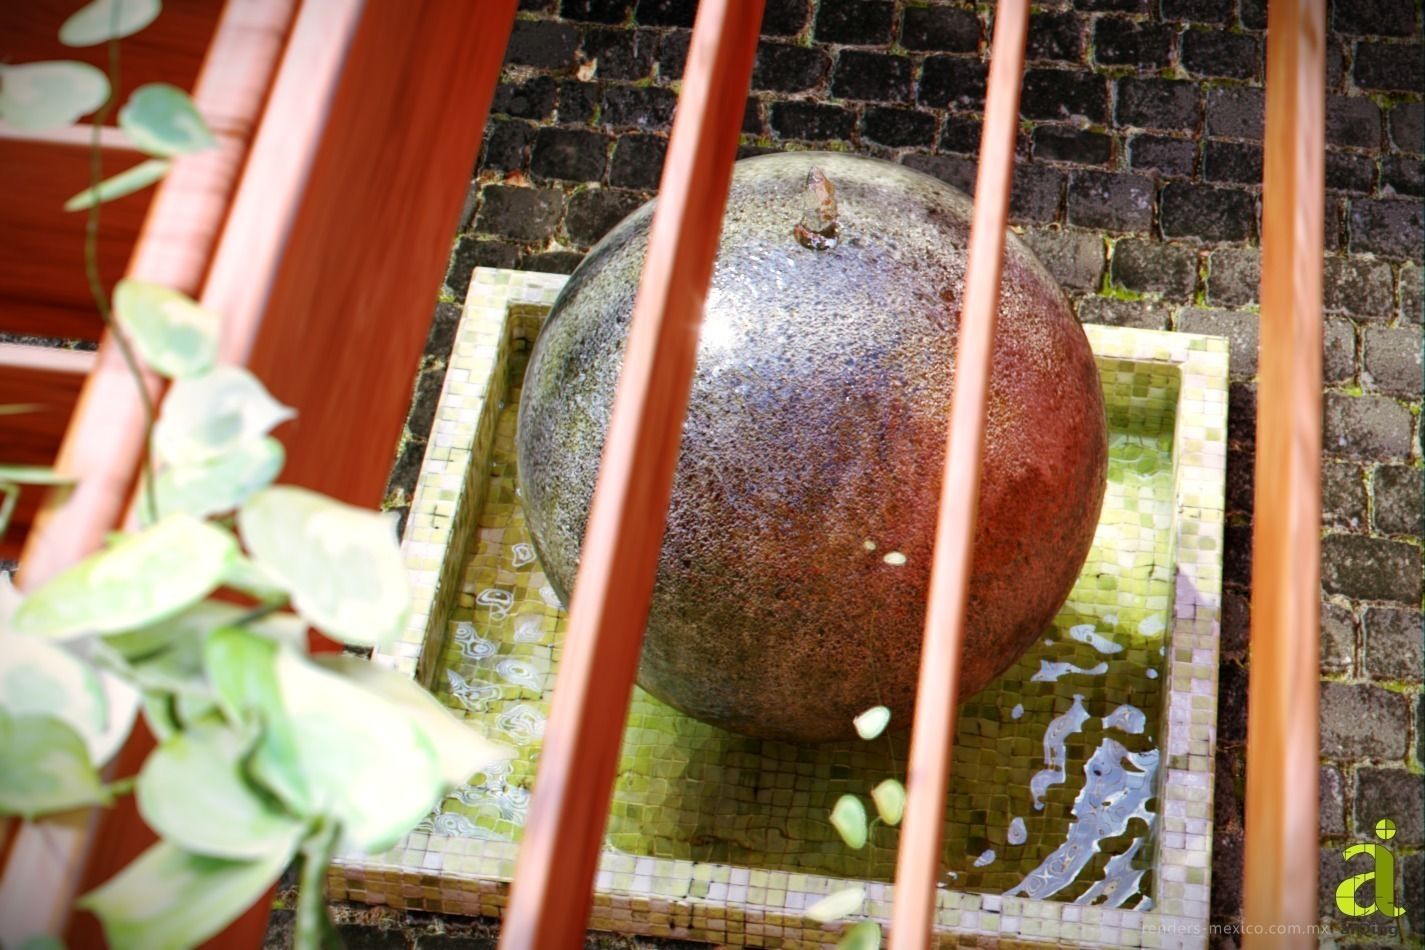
{"type": "Point", "coordinates": [741, 906]}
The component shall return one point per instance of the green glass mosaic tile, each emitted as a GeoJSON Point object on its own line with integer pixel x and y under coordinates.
{"type": "Point", "coordinates": [727, 836]}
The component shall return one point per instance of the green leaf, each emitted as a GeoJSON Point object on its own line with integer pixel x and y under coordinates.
{"type": "Point", "coordinates": [124, 183]}
{"type": "Point", "coordinates": [161, 120]}
{"type": "Point", "coordinates": [42, 942]}
{"type": "Point", "coordinates": [222, 483]}
{"type": "Point", "coordinates": [44, 767]}
{"type": "Point", "coordinates": [50, 95]}
{"type": "Point", "coordinates": [365, 761]}
{"type": "Point", "coordinates": [174, 335]}
{"type": "Point", "coordinates": [207, 416]}
{"type": "Point", "coordinates": [340, 564]}
{"type": "Point", "coordinates": [863, 936]}
{"type": "Point", "coordinates": [38, 678]}
{"type": "Point", "coordinates": [889, 797]}
{"type": "Point", "coordinates": [168, 899]}
{"type": "Point", "coordinates": [872, 722]}
{"type": "Point", "coordinates": [145, 578]}
{"type": "Point", "coordinates": [462, 750]}
{"type": "Point", "coordinates": [103, 20]}
{"type": "Point", "coordinates": [191, 625]}
{"type": "Point", "coordinates": [848, 817]}
{"type": "Point", "coordinates": [192, 791]}
{"type": "Point", "coordinates": [837, 904]}
{"type": "Point", "coordinates": [33, 475]}
{"type": "Point", "coordinates": [247, 576]}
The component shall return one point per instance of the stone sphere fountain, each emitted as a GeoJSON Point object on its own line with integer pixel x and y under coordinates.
{"type": "Point", "coordinates": [792, 582]}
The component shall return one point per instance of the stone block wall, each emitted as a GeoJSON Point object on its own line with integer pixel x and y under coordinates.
{"type": "Point", "coordinates": [1138, 183]}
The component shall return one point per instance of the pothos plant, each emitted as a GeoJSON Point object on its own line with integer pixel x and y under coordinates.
{"type": "Point", "coordinates": [197, 620]}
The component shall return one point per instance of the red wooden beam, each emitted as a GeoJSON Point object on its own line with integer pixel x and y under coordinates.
{"type": "Point", "coordinates": [562, 839]}
{"type": "Point", "coordinates": [937, 693]}
{"type": "Point", "coordinates": [1282, 849]}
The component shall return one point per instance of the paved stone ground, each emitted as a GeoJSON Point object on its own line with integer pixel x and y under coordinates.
{"type": "Point", "coordinates": [1137, 182]}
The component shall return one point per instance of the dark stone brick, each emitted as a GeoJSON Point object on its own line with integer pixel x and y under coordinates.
{"type": "Point", "coordinates": [578, 102]}
{"type": "Point", "coordinates": [898, 127]}
{"type": "Point", "coordinates": [1335, 63]}
{"type": "Point", "coordinates": [1343, 496]}
{"type": "Point", "coordinates": [1114, 6]}
{"type": "Point", "coordinates": [785, 17]}
{"type": "Point", "coordinates": [1399, 495]}
{"type": "Point", "coordinates": [1371, 568]}
{"type": "Point", "coordinates": [1338, 638]}
{"type": "Point", "coordinates": [1199, 11]}
{"type": "Point", "coordinates": [1152, 267]}
{"type": "Point", "coordinates": [786, 67]}
{"type": "Point", "coordinates": [1237, 554]}
{"type": "Point", "coordinates": [593, 211]}
{"type": "Point", "coordinates": [1239, 162]}
{"type": "Point", "coordinates": [1333, 804]}
{"type": "Point", "coordinates": [666, 12]}
{"type": "Point", "coordinates": [752, 119]}
{"type": "Point", "coordinates": [1139, 314]}
{"type": "Point", "coordinates": [1239, 327]}
{"type": "Point", "coordinates": [858, 22]}
{"type": "Point", "coordinates": [1352, 121]}
{"type": "Point", "coordinates": [1236, 622]}
{"type": "Point", "coordinates": [1349, 172]}
{"type": "Point", "coordinates": [954, 170]}
{"type": "Point", "coordinates": [356, 936]}
{"type": "Point", "coordinates": [1388, 228]}
{"type": "Point", "coordinates": [1362, 722]}
{"type": "Point", "coordinates": [531, 99]}
{"type": "Point", "coordinates": [645, 107]}
{"type": "Point", "coordinates": [1366, 427]}
{"type": "Point", "coordinates": [596, 11]}
{"type": "Point", "coordinates": [1121, 42]}
{"type": "Point", "coordinates": [1338, 356]}
{"type": "Point", "coordinates": [1240, 473]}
{"type": "Point", "coordinates": [551, 262]}
{"type": "Point", "coordinates": [1411, 873]}
{"type": "Point", "coordinates": [1253, 14]}
{"type": "Point", "coordinates": [943, 29]}
{"type": "Point", "coordinates": [543, 43]}
{"type": "Point", "coordinates": [505, 144]}
{"type": "Point", "coordinates": [1402, 175]}
{"type": "Point", "coordinates": [571, 154]}
{"type": "Point", "coordinates": [1374, 17]}
{"type": "Point", "coordinates": [427, 394]}
{"type": "Point", "coordinates": [1394, 644]}
{"type": "Point", "coordinates": [1407, 127]}
{"type": "Point", "coordinates": [1035, 198]}
{"type": "Point", "coordinates": [1215, 53]}
{"type": "Point", "coordinates": [471, 253]}
{"type": "Point", "coordinates": [1231, 704]}
{"type": "Point", "coordinates": [1226, 894]}
{"type": "Point", "coordinates": [1241, 413]}
{"type": "Point", "coordinates": [1157, 104]}
{"type": "Point", "coordinates": [1234, 275]}
{"type": "Point", "coordinates": [1412, 300]}
{"type": "Point", "coordinates": [672, 54]}
{"type": "Point", "coordinates": [1063, 94]}
{"type": "Point", "coordinates": [1391, 360]}
{"type": "Point", "coordinates": [621, 53]}
{"type": "Point", "coordinates": [1333, 223]}
{"type": "Point", "coordinates": [876, 76]}
{"type": "Point", "coordinates": [1357, 286]}
{"type": "Point", "coordinates": [812, 121]}
{"type": "Point", "coordinates": [1236, 112]}
{"type": "Point", "coordinates": [443, 326]}
{"type": "Point", "coordinates": [955, 82]}
{"type": "Point", "coordinates": [1114, 202]}
{"type": "Point", "coordinates": [1055, 35]}
{"type": "Point", "coordinates": [638, 162]}
{"type": "Point", "coordinates": [1074, 258]}
{"type": "Point", "coordinates": [1207, 212]}
{"type": "Point", "coordinates": [1066, 144]}
{"type": "Point", "coordinates": [961, 135]}
{"type": "Point", "coordinates": [1398, 67]}
{"type": "Point", "coordinates": [1390, 793]}
{"type": "Point", "coordinates": [1158, 153]}
{"type": "Point", "coordinates": [525, 214]}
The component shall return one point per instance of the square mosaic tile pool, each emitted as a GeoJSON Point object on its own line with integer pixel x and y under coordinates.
{"type": "Point", "coordinates": [1080, 801]}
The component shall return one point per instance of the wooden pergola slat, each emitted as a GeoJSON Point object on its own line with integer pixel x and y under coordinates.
{"type": "Point", "coordinates": [937, 692]}
{"type": "Point", "coordinates": [563, 836]}
{"type": "Point", "coordinates": [1282, 829]}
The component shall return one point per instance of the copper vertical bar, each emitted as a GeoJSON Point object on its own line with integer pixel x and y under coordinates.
{"type": "Point", "coordinates": [555, 874]}
{"type": "Point", "coordinates": [937, 693]}
{"type": "Point", "coordinates": [1282, 852]}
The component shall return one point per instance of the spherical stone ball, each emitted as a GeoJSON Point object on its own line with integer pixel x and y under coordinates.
{"type": "Point", "coordinates": [794, 572]}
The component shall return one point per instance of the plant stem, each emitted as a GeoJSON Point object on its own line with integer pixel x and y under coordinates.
{"type": "Point", "coordinates": [312, 924]}
{"type": "Point", "coordinates": [258, 612]}
{"type": "Point", "coordinates": [121, 786]}
{"type": "Point", "coordinates": [96, 284]}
